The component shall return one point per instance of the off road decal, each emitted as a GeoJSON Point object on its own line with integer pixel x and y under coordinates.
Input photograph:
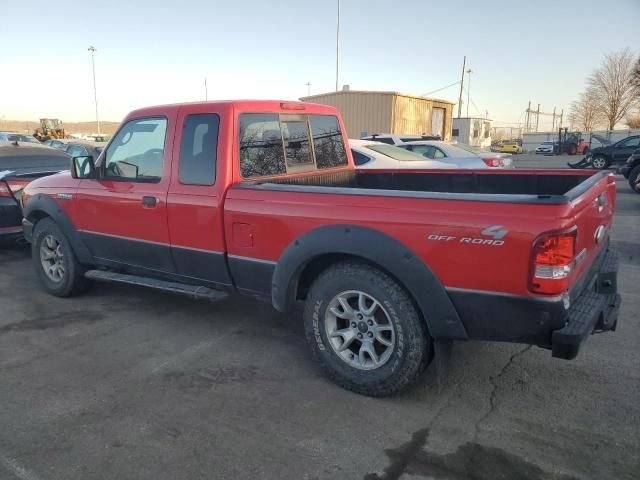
{"type": "Point", "coordinates": [496, 232]}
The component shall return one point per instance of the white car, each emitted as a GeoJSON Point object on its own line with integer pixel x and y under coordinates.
{"type": "Point", "coordinates": [398, 139]}
{"type": "Point", "coordinates": [368, 154]}
{"type": "Point", "coordinates": [455, 156]}
{"type": "Point", "coordinates": [545, 148]}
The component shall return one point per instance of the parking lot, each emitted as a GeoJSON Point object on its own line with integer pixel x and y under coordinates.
{"type": "Point", "coordinates": [127, 383]}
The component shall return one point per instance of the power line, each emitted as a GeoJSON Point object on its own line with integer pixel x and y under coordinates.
{"type": "Point", "coordinates": [440, 89]}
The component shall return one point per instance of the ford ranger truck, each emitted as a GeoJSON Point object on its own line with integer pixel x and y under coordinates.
{"type": "Point", "coordinates": [261, 198]}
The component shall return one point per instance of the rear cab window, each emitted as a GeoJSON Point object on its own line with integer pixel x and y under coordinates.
{"type": "Point", "coordinates": [198, 149]}
{"type": "Point", "coordinates": [276, 144]}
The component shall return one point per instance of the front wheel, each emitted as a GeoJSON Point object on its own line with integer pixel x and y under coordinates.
{"type": "Point", "coordinates": [364, 330]}
{"type": "Point", "coordinates": [599, 162]}
{"type": "Point", "coordinates": [634, 179]}
{"type": "Point", "coordinates": [55, 263]}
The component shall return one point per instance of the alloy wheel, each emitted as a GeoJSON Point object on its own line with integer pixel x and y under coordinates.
{"type": "Point", "coordinates": [359, 330]}
{"type": "Point", "coordinates": [52, 258]}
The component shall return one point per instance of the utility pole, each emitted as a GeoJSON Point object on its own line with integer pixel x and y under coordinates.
{"type": "Point", "coordinates": [553, 121]}
{"type": "Point", "coordinates": [464, 64]}
{"type": "Point", "coordinates": [338, 46]}
{"type": "Point", "coordinates": [206, 92]}
{"type": "Point", "coordinates": [561, 113]}
{"type": "Point", "coordinates": [469, 72]}
{"type": "Point", "coordinates": [537, 117]}
{"type": "Point", "coordinates": [92, 50]}
{"type": "Point", "coordinates": [526, 128]}
{"type": "Point", "coordinates": [308, 84]}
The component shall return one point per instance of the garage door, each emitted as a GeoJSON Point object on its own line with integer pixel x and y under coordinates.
{"type": "Point", "coordinates": [437, 122]}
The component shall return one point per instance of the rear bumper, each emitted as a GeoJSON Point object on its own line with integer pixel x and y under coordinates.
{"type": "Point", "coordinates": [594, 310]}
{"type": "Point", "coordinates": [545, 322]}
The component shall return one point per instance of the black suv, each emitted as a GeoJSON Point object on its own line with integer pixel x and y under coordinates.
{"type": "Point", "coordinates": [631, 171]}
{"type": "Point", "coordinates": [619, 152]}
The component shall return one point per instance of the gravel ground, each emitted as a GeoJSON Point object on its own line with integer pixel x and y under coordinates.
{"type": "Point", "coordinates": [126, 383]}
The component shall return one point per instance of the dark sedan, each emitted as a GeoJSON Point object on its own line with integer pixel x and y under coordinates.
{"type": "Point", "coordinates": [20, 164]}
{"type": "Point", "coordinates": [619, 152]}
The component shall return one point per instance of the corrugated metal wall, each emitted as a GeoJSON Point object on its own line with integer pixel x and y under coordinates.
{"type": "Point", "coordinates": [369, 112]}
{"type": "Point", "coordinates": [385, 112]}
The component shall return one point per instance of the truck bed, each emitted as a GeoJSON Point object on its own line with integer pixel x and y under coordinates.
{"type": "Point", "coordinates": [513, 186]}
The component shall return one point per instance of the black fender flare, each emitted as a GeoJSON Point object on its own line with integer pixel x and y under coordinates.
{"type": "Point", "coordinates": [43, 204]}
{"type": "Point", "coordinates": [378, 248]}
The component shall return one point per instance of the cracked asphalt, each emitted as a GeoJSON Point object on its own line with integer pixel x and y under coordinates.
{"type": "Point", "coordinates": [127, 383]}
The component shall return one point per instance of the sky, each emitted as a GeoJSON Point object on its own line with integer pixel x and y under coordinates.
{"type": "Point", "coordinates": [157, 51]}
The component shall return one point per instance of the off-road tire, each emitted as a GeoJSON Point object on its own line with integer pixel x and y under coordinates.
{"type": "Point", "coordinates": [413, 348]}
{"type": "Point", "coordinates": [634, 176]}
{"type": "Point", "coordinates": [73, 281]}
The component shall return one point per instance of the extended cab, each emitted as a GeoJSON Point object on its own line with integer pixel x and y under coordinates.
{"type": "Point", "coordinates": [262, 198]}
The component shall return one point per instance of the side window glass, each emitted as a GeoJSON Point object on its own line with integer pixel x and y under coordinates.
{"type": "Point", "coordinates": [359, 158]}
{"type": "Point", "coordinates": [137, 151]}
{"type": "Point", "coordinates": [261, 150]}
{"type": "Point", "coordinates": [328, 143]}
{"type": "Point", "coordinates": [198, 149]}
{"type": "Point", "coordinates": [437, 153]}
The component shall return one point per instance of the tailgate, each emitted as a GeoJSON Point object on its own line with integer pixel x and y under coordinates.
{"type": "Point", "coordinates": [593, 213]}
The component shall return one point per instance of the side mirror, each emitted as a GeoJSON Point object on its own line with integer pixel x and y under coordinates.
{"type": "Point", "coordinates": [83, 167]}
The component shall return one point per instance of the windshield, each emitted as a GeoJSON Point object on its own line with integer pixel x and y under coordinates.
{"type": "Point", "coordinates": [396, 153]}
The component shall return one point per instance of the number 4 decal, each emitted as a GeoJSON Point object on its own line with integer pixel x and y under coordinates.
{"type": "Point", "coordinates": [496, 231]}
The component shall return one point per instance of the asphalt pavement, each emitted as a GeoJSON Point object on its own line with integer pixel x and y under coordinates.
{"type": "Point", "coordinates": [128, 383]}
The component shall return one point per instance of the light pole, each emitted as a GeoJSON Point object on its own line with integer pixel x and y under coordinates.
{"type": "Point", "coordinates": [308, 84]}
{"type": "Point", "coordinates": [338, 45]}
{"type": "Point", "coordinates": [469, 72]}
{"type": "Point", "coordinates": [92, 50]}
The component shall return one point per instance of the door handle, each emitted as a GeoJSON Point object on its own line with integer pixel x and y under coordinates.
{"type": "Point", "coordinates": [149, 201]}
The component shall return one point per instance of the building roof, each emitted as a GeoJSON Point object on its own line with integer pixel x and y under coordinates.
{"type": "Point", "coordinates": [472, 118]}
{"type": "Point", "coordinates": [374, 92]}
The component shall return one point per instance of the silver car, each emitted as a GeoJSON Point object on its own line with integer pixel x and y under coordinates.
{"type": "Point", "coordinates": [455, 156]}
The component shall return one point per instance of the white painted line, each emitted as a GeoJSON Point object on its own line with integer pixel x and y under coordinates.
{"type": "Point", "coordinates": [16, 469]}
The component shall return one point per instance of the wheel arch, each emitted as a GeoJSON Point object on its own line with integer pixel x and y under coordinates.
{"type": "Point", "coordinates": [43, 206]}
{"type": "Point", "coordinates": [308, 255]}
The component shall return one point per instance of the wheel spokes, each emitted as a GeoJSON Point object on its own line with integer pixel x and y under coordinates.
{"type": "Point", "coordinates": [347, 335]}
{"type": "Point", "coordinates": [366, 349]}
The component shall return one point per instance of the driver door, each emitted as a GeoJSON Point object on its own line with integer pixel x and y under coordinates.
{"type": "Point", "coordinates": [624, 149]}
{"type": "Point", "coordinates": [122, 215]}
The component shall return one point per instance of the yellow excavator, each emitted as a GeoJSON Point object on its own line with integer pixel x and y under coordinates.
{"type": "Point", "coordinates": [49, 128]}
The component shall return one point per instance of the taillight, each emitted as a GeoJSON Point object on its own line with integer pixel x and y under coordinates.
{"type": "Point", "coordinates": [551, 262]}
{"type": "Point", "coordinates": [492, 162]}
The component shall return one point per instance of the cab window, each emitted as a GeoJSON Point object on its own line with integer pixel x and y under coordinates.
{"type": "Point", "coordinates": [274, 144]}
{"type": "Point", "coordinates": [136, 153]}
{"type": "Point", "coordinates": [198, 149]}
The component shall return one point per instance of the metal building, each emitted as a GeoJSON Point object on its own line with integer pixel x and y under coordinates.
{"type": "Point", "coordinates": [474, 131]}
{"type": "Point", "coordinates": [365, 113]}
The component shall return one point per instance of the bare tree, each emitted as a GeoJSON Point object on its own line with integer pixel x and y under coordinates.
{"type": "Point", "coordinates": [586, 112]}
{"type": "Point", "coordinates": [613, 85]}
{"type": "Point", "coordinates": [633, 120]}
{"type": "Point", "coordinates": [636, 77]}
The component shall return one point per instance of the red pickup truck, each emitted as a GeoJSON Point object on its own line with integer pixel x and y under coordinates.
{"type": "Point", "coordinates": [262, 198]}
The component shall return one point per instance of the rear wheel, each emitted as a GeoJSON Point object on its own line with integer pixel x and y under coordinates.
{"type": "Point", "coordinates": [364, 330]}
{"type": "Point", "coordinates": [599, 162]}
{"type": "Point", "coordinates": [55, 263]}
{"type": "Point", "coordinates": [634, 179]}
